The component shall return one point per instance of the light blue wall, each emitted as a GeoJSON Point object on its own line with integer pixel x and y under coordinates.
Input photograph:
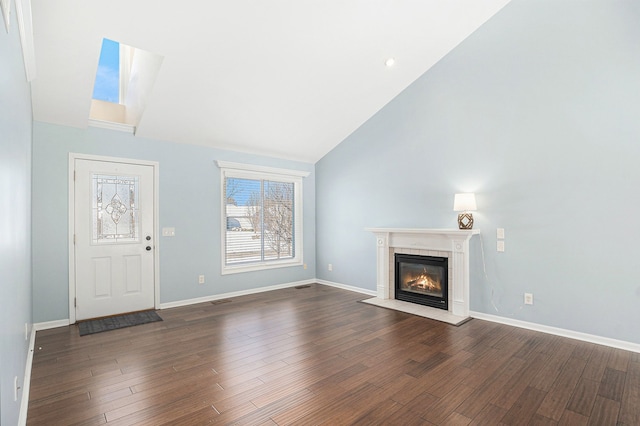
{"type": "Point", "coordinates": [189, 201]}
{"type": "Point", "coordinates": [15, 220]}
{"type": "Point", "coordinates": [538, 112]}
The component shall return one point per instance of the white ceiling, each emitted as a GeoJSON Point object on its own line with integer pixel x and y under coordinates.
{"type": "Point", "coordinates": [283, 78]}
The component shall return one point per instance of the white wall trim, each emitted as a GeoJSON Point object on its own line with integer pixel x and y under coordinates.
{"type": "Point", "coordinates": [25, 26]}
{"type": "Point", "coordinates": [5, 5]}
{"type": "Point", "coordinates": [232, 294]}
{"type": "Point", "coordinates": [26, 385]}
{"type": "Point", "coordinates": [127, 128]}
{"type": "Point", "coordinates": [348, 287]}
{"type": "Point", "coordinates": [261, 169]}
{"type": "Point", "coordinates": [51, 324]}
{"type": "Point", "coordinates": [599, 340]}
{"type": "Point", "coordinates": [71, 223]}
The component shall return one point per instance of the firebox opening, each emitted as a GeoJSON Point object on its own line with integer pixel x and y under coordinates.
{"type": "Point", "coordinates": [422, 279]}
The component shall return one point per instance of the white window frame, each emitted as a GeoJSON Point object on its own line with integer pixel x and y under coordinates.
{"type": "Point", "coordinates": [248, 171]}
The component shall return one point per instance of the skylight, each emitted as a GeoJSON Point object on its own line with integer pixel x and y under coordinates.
{"type": "Point", "coordinates": [107, 84]}
{"type": "Point", "coordinates": [124, 79]}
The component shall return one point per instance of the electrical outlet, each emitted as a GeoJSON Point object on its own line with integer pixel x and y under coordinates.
{"type": "Point", "coordinates": [330, 267]}
{"type": "Point", "coordinates": [500, 246]}
{"type": "Point", "coordinates": [500, 233]}
{"type": "Point", "coordinates": [201, 279]}
{"type": "Point", "coordinates": [528, 298]}
{"type": "Point", "coordinates": [305, 266]}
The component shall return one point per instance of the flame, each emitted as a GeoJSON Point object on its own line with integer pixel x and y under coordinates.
{"type": "Point", "coordinates": [423, 282]}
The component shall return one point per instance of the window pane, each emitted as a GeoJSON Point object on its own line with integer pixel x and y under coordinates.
{"type": "Point", "coordinates": [278, 220]}
{"type": "Point", "coordinates": [243, 205]}
{"type": "Point", "coordinates": [107, 84]}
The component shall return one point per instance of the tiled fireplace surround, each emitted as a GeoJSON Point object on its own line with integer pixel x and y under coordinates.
{"type": "Point", "coordinates": [450, 243]}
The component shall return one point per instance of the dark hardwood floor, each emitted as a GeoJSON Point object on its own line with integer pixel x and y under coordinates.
{"type": "Point", "coordinates": [315, 355]}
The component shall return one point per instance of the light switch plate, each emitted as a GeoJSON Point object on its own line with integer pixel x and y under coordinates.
{"type": "Point", "coordinates": [500, 246]}
{"type": "Point", "coordinates": [500, 233]}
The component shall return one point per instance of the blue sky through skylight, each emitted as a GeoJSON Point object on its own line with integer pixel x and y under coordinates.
{"type": "Point", "coordinates": [107, 84]}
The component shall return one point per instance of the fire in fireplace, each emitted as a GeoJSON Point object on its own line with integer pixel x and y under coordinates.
{"type": "Point", "coordinates": [422, 279]}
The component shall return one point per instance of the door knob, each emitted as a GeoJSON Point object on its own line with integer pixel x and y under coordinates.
{"type": "Point", "coordinates": [148, 237]}
{"type": "Point", "coordinates": [148, 248]}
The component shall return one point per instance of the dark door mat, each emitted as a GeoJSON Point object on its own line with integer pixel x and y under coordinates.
{"type": "Point", "coordinates": [119, 321]}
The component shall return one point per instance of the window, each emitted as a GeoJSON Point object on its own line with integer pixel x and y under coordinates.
{"type": "Point", "coordinates": [124, 80]}
{"type": "Point", "coordinates": [262, 217]}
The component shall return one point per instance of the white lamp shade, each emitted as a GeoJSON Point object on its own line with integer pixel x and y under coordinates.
{"type": "Point", "coordinates": [464, 202]}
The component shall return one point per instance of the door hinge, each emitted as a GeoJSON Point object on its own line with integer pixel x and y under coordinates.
{"type": "Point", "coordinates": [74, 175]}
{"type": "Point", "coordinates": [74, 239]}
{"type": "Point", "coordinates": [75, 302]}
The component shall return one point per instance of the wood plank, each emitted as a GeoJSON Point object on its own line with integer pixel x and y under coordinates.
{"type": "Point", "coordinates": [558, 396]}
{"type": "Point", "coordinates": [525, 407]}
{"type": "Point", "coordinates": [583, 397]}
{"type": "Point", "coordinates": [490, 415]}
{"type": "Point", "coordinates": [597, 363]}
{"type": "Point", "coordinates": [630, 404]}
{"type": "Point", "coordinates": [605, 412]}
{"type": "Point", "coordinates": [612, 384]}
{"type": "Point", "coordinates": [445, 406]}
{"type": "Point", "coordinates": [572, 418]}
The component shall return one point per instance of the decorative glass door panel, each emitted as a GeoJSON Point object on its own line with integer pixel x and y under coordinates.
{"type": "Point", "coordinates": [115, 215]}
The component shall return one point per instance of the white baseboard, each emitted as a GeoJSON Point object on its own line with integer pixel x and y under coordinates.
{"type": "Point", "coordinates": [26, 385]}
{"type": "Point", "coordinates": [599, 340]}
{"type": "Point", "coordinates": [232, 294]}
{"type": "Point", "coordinates": [50, 324]}
{"type": "Point", "coordinates": [348, 287]}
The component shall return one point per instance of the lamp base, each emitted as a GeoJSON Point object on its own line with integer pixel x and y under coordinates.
{"type": "Point", "coordinates": [465, 221]}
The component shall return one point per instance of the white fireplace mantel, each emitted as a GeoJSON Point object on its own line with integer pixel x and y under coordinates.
{"type": "Point", "coordinates": [450, 243]}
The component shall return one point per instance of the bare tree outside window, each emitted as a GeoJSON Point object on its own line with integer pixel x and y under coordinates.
{"type": "Point", "coordinates": [254, 204]}
{"type": "Point", "coordinates": [231, 188]}
{"type": "Point", "coordinates": [278, 219]}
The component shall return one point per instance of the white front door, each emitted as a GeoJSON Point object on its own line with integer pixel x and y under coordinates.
{"type": "Point", "coordinates": [114, 238]}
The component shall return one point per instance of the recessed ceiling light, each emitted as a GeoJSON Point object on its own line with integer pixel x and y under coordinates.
{"type": "Point", "coordinates": [390, 62]}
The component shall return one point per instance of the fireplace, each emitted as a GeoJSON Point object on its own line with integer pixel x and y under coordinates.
{"type": "Point", "coordinates": [452, 244]}
{"type": "Point", "coordinates": [422, 279]}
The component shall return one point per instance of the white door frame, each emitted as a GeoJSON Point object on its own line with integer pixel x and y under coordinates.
{"type": "Point", "coordinates": [71, 209]}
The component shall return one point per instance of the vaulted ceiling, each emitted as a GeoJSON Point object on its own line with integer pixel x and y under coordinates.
{"type": "Point", "coordinates": [283, 78]}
